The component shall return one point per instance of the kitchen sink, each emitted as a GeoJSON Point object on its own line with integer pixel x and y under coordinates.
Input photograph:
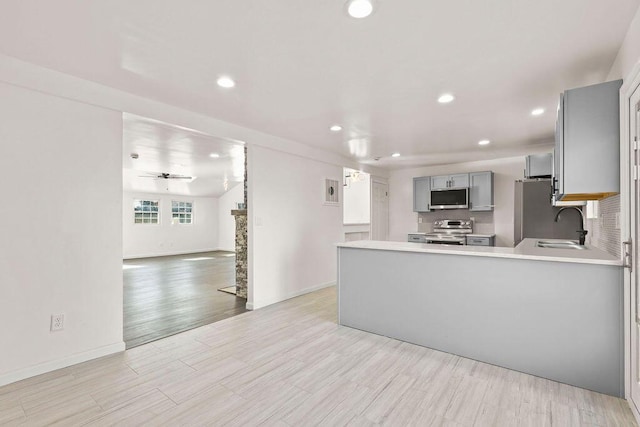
{"type": "Point", "coordinates": [560, 244]}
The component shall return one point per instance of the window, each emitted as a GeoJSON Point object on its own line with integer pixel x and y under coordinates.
{"type": "Point", "coordinates": [181, 212]}
{"type": "Point", "coordinates": [146, 212]}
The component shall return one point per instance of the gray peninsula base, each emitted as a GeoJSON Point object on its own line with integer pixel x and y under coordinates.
{"type": "Point", "coordinates": [558, 320]}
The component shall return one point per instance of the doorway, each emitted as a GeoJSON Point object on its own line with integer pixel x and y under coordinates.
{"type": "Point", "coordinates": [180, 187]}
{"type": "Point", "coordinates": [630, 96]}
{"type": "Point", "coordinates": [379, 210]}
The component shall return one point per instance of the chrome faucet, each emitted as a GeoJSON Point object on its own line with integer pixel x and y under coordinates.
{"type": "Point", "coordinates": [581, 232]}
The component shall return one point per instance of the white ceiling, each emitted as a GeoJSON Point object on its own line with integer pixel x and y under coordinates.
{"type": "Point", "coordinates": [302, 66]}
{"type": "Point", "coordinates": [164, 148]}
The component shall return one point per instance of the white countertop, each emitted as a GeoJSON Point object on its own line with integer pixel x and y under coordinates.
{"type": "Point", "coordinates": [422, 233]}
{"type": "Point", "coordinates": [525, 250]}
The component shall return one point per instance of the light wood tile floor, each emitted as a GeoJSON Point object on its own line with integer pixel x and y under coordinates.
{"type": "Point", "coordinates": [291, 365]}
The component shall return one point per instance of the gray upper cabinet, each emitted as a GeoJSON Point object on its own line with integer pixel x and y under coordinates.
{"type": "Point", "coordinates": [587, 150]}
{"type": "Point", "coordinates": [538, 165]}
{"type": "Point", "coordinates": [421, 194]}
{"type": "Point", "coordinates": [450, 181]}
{"type": "Point", "coordinates": [481, 191]}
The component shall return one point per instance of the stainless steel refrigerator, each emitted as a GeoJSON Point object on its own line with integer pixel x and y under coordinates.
{"type": "Point", "coordinates": [534, 214]}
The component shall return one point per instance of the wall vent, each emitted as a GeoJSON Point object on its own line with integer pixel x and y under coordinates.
{"type": "Point", "coordinates": [331, 192]}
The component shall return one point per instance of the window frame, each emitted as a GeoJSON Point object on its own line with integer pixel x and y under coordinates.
{"type": "Point", "coordinates": [182, 205]}
{"type": "Point", "coordinates": [157, 211]}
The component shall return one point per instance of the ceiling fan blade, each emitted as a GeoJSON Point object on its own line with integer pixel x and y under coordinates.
{"type": "Point", "coordinates": [164, 175]}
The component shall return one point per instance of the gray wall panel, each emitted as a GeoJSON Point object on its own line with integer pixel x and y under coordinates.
{"type": "Point", "coordinates": [561, 321]}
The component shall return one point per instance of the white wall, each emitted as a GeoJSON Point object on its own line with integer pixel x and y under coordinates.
{"type": "Point", "coordinates": [403, 220]}
{"type": "Point", "coordinates": [292, 234]}
{"type": "Point", "coordinates": [629, 53]}
{"type": "Point", "coordinates": [357, 200]}
{"type": "Point", "coordinates": [72, 127]}
{"type": "Point", "coordinates": [226, 222]}
{"type": "Point", "coordinates": [61, 232]}
{"type": "Point", "coordinates": [148, 240]}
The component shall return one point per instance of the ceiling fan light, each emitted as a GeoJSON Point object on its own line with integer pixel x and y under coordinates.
{"type": "Point", "coordinates": [359, 8]}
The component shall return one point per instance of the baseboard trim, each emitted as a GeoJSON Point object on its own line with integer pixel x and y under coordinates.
{"type": "Point", "coordinates": [266, 302]}
{"type": "Point", "coordinates": [634, 410]}
{"type": "Point", "coordinates": [199, 251]}
{"type": "Point", "coordinates": [52, 365]}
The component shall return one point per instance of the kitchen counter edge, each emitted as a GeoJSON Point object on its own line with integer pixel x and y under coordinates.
{"type": "Point", "coordinates": [525, 250]}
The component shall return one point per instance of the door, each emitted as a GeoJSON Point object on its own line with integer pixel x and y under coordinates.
{"type": "Point", "coordinates": [441, 181]}
{"type": "Point", "coordinates": [558, 151]}
{"type": "Point", "coordinates": [634, 199]}
{"type": "Point", "coordinates": [481, 191]}
{"type": "Point", "coordinates": [379, 210]}
{"type": "Point", "coordinates": [421, 194]}
{"type": "Point", "coordinates": [460, 180]}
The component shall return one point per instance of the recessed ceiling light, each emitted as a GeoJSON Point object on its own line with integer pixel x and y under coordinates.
{"type": "Point", "coordinates": [395, 155]}
{"type": "Point", "coordinates": [335, 128]}
{"type": "Point", "coordinates": [445, 98]}
{"type": "Point", "coordinates": [226, 82]}
{"type": "Point", "coordinates": [214, 155]}
{"type": "Point", "coordinates": [484, 142]}
{"type": "Point", "coordinates": [537, 112]}
{"type": "Point", "coordinates": [359, 8]}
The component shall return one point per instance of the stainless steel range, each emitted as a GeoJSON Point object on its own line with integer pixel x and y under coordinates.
{"type": "Point", "coordinates": [450, 231]}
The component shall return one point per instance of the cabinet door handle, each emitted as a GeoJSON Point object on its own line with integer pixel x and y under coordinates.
{"type": "Point", "coordinates": [628, 255]}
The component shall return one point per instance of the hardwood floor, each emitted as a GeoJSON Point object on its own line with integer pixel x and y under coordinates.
{"type": "Point", "coordinates": [167, 295]}
{"type": "Point", "coordinates": [290, 365]}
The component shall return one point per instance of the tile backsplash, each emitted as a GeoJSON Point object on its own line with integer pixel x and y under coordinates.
{"type": "Point", "coordinates": [482, 224]}
{"type": "Point", "coordinates": [604, 233]}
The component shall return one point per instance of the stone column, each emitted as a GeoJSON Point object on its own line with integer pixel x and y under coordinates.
{"type": "Point", "coordinates": [241, 251]}
{"type": "Point", "coordinates": [241, 240]}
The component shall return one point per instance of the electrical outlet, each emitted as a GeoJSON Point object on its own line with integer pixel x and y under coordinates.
{"type": "Point", "coordinates": [57, 322]}
{"type": "Point", "coordinates": [617, 220]}
{"type": "Point", "coordinates": [419, 219]}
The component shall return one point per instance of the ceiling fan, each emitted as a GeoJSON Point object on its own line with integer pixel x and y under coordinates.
{"type": "Point", "coordinates": [164, 175]}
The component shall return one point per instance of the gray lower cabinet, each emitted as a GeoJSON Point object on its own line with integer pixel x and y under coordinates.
{"type": "Point", "coordinates": [481, 241]}
{"type": "Point", "coordinates": [421, 194]}
{"type": "Point", "coordinates": [481, 191]}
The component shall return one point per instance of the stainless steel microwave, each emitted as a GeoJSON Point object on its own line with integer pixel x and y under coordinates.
{"type": "Point", "coordinates": [450, 198]}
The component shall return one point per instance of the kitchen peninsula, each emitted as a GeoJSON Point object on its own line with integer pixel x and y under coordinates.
{"type": "Point", "coordinates": [554, 313]}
